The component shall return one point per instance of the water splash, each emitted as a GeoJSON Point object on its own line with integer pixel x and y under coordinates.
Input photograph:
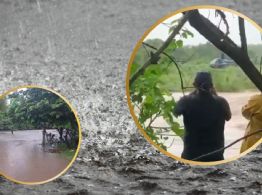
{"type": "Point", "coordinates": [39, 9]}
{"type": "Point", "coordinates": [50, 51]}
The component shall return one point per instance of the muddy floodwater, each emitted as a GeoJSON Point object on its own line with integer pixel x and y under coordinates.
{"type": "Point", "coordinates": [23, 158]}
{"type": "Point", "coordinates": [81, 49]}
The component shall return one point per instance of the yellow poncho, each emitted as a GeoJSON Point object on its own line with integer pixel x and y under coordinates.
{"type": "Point", "coordinates": [253, 112]}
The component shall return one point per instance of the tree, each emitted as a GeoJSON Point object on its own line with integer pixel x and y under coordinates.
{"type": "Point", "coordinates": [150, 99]}
{"type": "Point", "coordinates": [36, 108]}
{"type": "Point", "coordinates": [225, 44]}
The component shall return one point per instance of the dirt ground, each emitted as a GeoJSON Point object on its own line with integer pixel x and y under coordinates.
{"type": "Point", "coordinates": [81, 49]}
{"type": "Point", "coordinates": [234, 129]}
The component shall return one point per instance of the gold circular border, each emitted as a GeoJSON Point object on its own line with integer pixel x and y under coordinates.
{"type": "Point", "coordinates": [79, 134]}
{"type": "Point", "coordinates": [139, 44]}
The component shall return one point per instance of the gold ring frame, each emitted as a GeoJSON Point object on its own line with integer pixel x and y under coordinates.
{"type": "Point", "coordinates": [139, 44]}
{"type": "Point", "coordinates": [79, 134]}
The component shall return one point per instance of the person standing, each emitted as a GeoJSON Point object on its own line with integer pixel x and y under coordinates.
{"type": "Point", "coordinates": [44, 137]}
{"type": "Point", "coordinates": [204, 115]}
{"type": "Point", "coordinates": [253, 112]}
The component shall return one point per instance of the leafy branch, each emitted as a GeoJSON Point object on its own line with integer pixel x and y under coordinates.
{"type": "Point", "coordinates": [155, 56]}
{"type": "Point", "coordinates": [174, 61]}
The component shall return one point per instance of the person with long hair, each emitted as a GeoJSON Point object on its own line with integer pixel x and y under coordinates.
{"type": "Point", "coordinates": [204, 115]}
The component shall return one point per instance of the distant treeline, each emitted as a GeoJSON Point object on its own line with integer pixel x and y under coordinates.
{"type": "Point", "coordinates": [35, 108]}
{"type": "Point", "coordinates": [192, 59]}
{"type": "Point", "coordinates": [202, 53]}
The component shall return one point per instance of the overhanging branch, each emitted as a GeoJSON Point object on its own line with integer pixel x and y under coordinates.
{"type": "Point", "coordinates": [229, 145]}
{"type": "Point", "coordinates": [242, 34]}
{"type": "Point", "coordinates": [161, 49]}
{"type": "Point", "coordinates": [225, 44]}
{"type": "Point", "coordinates": [174, 61]}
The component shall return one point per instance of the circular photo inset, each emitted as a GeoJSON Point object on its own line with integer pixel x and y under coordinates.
{"type": "Point", "coordinates": [194, 85]}
{"type": "Point", "coordinates": [39, 135]}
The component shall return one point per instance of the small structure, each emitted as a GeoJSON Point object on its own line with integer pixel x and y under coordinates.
{"type": "Point", "coordinates": [222, 62]}
{"type": "Point", "coordinates": [44, 137]}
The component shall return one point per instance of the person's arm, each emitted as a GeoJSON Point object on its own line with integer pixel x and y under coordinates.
{"type": "Point", "coordinates": [227, 110]}
{"type": "Point", "coordinates": [180, 107]}
{"type": "Point", "coordinates": [250, 108]}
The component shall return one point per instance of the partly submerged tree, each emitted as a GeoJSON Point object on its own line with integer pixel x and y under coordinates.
{"type": "Point", "coordinates": [36, 108]}
{"type": "Point", "coordinates": [4, 120]}
{"type": "Point", "coordinates": [39, 108]}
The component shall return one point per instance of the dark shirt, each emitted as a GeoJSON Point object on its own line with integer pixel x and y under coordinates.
{"type": "Point", "coordinates": [204, 119]}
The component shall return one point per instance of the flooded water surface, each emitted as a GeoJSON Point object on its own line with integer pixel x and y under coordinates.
{"type": "Point", "coordinates": [23, 158]}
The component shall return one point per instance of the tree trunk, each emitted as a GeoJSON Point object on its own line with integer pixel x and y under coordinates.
{"type": "Point", "coordinates": [44, 137]}
{"type": "Point", "coordinates": [225, 44]}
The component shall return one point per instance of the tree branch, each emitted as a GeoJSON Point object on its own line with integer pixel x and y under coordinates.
{"type": "Point", "coordinates": [223, 17]}
{"type": "Point", "coordinates": [229, 145]}
{"type": "Point", "coordinates": [161, 49]}
{"type": "Point", "coordinates": [242, 34]}
{"type": "Point", "coordinates": [153, 119]}
{"type": "Point", "coordinates": [225, 44]}
{"type": "Point", "coordinates": [173, 60]}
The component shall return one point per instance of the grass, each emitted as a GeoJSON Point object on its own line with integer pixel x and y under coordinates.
{"type": "Point", "coordinates": [65, 152]}
{"type": "Point", "coordinates": [229, 79]}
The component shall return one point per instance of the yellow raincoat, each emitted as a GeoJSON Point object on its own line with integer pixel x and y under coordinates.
{"type": "Point", "coordinates": [253, 112]}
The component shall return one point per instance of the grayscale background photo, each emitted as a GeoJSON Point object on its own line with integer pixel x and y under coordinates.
{"type": "Point", "coordinates": [81, 49]}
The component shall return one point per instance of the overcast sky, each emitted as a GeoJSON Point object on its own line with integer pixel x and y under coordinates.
{"type": "Point", "coordinates": [252, 33]}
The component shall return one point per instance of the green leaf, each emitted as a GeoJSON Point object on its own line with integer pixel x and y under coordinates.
{"type": "Point", "coordinates": [175, 21]}
{"type": "Point", "coordinates": [171, 29]}
{"type": "Point", "coordinates": [188, 32]}
{"type": "Point", "coordinates": [179, 43]}
{"type": "Point", "coordinates": [184, 35]}
{"type": "Point", "coordinates": [177, 130]}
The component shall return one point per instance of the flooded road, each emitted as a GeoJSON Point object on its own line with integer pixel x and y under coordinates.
{"type": "Point", "coordinates": [22, 157]}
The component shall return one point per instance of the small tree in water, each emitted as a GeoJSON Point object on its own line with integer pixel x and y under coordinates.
{"type": "Point", "coordinates": [36, 108]}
